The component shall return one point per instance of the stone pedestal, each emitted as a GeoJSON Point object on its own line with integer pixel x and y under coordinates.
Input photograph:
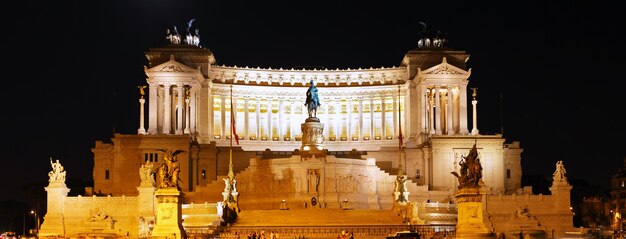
{"type": "Point", "coordinates": [312, 137]}
{"type": "Point", "coordinates": [470, 214]}
{"type": "Point", "coordinates": [54, 225]}
{"type": "Point", "coordinates": [168, 214]}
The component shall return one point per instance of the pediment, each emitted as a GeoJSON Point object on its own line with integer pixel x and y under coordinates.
{"type": "Point", "coordinates": [444, 68]}
{"type": "Point", "coordinates": [172, 66]}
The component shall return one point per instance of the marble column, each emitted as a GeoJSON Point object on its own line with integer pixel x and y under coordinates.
{"type": "Point", "coordinates": [223, 117]}
{"type": "Point", "coordinates": [449, 124]}
{"type": "Point", "coordinates": [258, 118]}
{"type": "Point", "coordinates": [372, 118]}
{"type": "Point", "coordinates": [431, 113]}
{"type": "Point", "coordinates": [474, 118]}
{"type": "Point", "coordinates": [179, 109]}
{"type": "Point", "coordinates": [246, 123]}
{"type": "Point", "coordinates": [383, 133]}
{"type": "Point", "coordinates": [349, 128]}
{"type": "Point", "coordinates": [233, 114]}
{"type": "Point", "coordinates": [281, 120]}
{"type": "Point", "coordinates": [269, 119]}
{"type": "Point", "coordinates": [167, 112]}
{"type": "Point", "coordinates": [463, 109]}
{"type": "Point", "coordinates": [360, 129]}
{"type": "Point", "coordinates": [187, 116]}
{"type": "Point", "coordinates": [425, 109]}
{"type": "Point", "coordinates": [338, 121]}
{"type": "Point", "coordinates": [193, 106]}
{"type": "Point", "coordinates": [438, 112]}
{"type": "Point", "coordinates": [141, 129]}
{"type": "Point", "coordinates": [395, 116]}
{"type": "Point", "coordinates": [292, 119]}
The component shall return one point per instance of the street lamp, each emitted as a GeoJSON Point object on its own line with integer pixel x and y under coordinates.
{"type": "Point", "coordinates": [34, 212]}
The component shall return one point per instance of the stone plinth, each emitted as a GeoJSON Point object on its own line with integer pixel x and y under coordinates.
{"type": "Point", "coordinates": [470, 214]}
{"type": "Point", "coordinates": [312, 136]}
{"type": "Point", "coordinates": [168, 214]}
{"type": "Point", "coordinates": [53, 225]}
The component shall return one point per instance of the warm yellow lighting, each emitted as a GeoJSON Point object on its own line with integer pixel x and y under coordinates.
{"type": "Point", "coordinates": [389, 137]}
{"type": "Point", "coordinates": [275, 138]}
{"type": "Point", "coordinates": [252, 137]}
{"type": "Point", "coordinates": [355, 138]}
{"type": "Point", "coordinates": [344, 138]}
{"type": "Point", "coordinates": [306, 148]}
{"type": "Point", "coordinates": [377, 138]}
{"type": "Point", "coordinates": [333, 138]}
{"type": "Point", "coordinates": [366, 138]}
{"type": "Point", "coordinates": [217, 136]}
{"type": "Point", "coordinates": [287, 138]}
{"type": "Point", "coordinates": [263, 138]}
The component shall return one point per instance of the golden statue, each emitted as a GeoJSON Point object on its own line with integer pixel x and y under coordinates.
{"type": "Point", "coordinates": [168, 173]}
{"type": "Point", "coordinates": [142, 92]}
{"type": "Point", "coordinates": [474, 89]}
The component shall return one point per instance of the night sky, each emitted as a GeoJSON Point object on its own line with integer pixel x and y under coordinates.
{"type": "Point", "coordinates": [549, 75]}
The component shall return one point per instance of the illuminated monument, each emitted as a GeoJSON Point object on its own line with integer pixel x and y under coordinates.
{"type": "Point", "coordinates": [371, 147]}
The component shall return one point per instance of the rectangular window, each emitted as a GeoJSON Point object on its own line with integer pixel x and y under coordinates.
{"type": "Point", "coordinates": [508, 173]}
{"type": "Point", "coordinates": [145, 157]}
{"type": "Point", "coordinates": [106, 174]}
{"type": "Point", "coordinates": [622, 183]}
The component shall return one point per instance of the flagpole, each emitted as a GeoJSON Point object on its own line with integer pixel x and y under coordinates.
{"type": "Point", "coordinates": [231, 174]}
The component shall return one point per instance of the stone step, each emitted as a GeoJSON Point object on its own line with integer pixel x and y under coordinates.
{"type": "Point", "coordinates": [317, 217]}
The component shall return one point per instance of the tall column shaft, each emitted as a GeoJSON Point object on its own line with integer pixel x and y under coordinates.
{"type": "Point", "coordinates": [395, 116]}
{"type": "Point", "coordinates": [431, 114]}
{"type": "Point", "coordinates": [449, 125]}
{"type": "Point", "coordinates": [269, 119]}
{"type": "Point", "coordinates": [372, 118]}
{"type": "Point", "coordinates": [193, 106]}
{"type": "Point", "coordinates": [281, 120]}
{"type": "Point", "coordinates": [234, 114]}
{"type": "Point", "coordinates": [338, 121]}
{"type": "Point", "coordinates": [179, 110]}
{"type": "Point", "coordinates": [223, 117]}
{"type": "Point", "coordinates": [360, 135]}
{"type": "Point", "coordinates": [141, 129]}
{"type": "Point", "coordinates": [246, 123]}
{"type": "Point", "coordinates": [167, 112]}
{"type": "Point", "coordinates": [438, 112]}
{"type": "Point", "coordinates": [349, 111]}
{"type": "Point", "coordinates": [292, 120]}
{"type": "Point", "coordinates": [258, 118]}
{"type": "Point", "coordinates": [187, 115]}
{"type": "Point", "coordinates": [209, 114]}
{"type": "Point", "coordinates": [463, 109]}
{"type": "Point", "coordinates": [474, 118]}
{"type": "Point", "coordinates": [383, 123]}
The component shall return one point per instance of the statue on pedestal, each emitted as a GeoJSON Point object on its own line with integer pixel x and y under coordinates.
{"type": "Point", "coordinates": [312, 100]}
{"type": "Point", "coordinates": [57, 173]}
{"type": "Point", "coordinates": [559, 173]}
{"type": "Point", "coordinates": [471, 170]}
{"type": "Point", "coordinates": [168, 172]}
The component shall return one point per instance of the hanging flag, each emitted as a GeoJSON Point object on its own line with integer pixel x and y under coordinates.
{"type": "Point", "coordinates": [233, 128]}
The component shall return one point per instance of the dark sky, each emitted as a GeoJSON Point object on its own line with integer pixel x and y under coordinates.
{"type": "Point", "coordinates": [73, 68]}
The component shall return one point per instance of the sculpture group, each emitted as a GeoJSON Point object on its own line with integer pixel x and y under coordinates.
{"type": "Point", "coordinates": [471, 171]}
{"type": "Point", "coordinates": [168, 172]}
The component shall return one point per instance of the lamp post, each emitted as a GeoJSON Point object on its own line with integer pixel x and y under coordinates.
{"type": "Point", "coordinates": [34, 212]}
